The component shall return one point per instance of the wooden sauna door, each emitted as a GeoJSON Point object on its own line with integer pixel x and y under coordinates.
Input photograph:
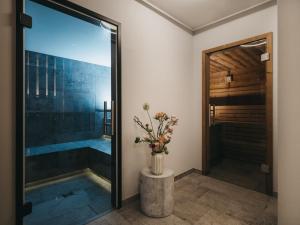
{"type": "Point", "coordinates": [237, 104]}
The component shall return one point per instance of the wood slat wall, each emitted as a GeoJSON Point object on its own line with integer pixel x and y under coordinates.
{"type": "Point", "coordinates": [242, 133]}
{"type": "Point", "coordinates": [244, 83]}
{"type": "Point", "coordinates": [248, 114]}
{"type": "Point", "coordinates": [236, 59]}
{"type": "Point", "coordinates": [244, 141]}
{"type": "Point", "coordinates": [242, 127]}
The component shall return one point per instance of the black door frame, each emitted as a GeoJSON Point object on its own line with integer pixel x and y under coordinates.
{"type": "Point", "coordinates": [85, 14]}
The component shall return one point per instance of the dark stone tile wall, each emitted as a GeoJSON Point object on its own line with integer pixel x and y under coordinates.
{"type": "Point", "coordinates": [100, 163]}
{"type": "Point", "coordinates": [53, 164]}
{"type": "Point", "coordinates": [64, 99]}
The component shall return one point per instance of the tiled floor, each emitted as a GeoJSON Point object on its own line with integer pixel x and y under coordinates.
{"type": "Point", "coordinates": [71, 201]}
{"type": "Point", "coordinates": [201, 200]}
{"type": "Point", "coordinates": [241, 173]}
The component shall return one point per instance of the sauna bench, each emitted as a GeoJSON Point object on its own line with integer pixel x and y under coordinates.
{"type": "Point", "coordinates": [49, 161]}
{"type": "Point", "coordinates": [102, 145]}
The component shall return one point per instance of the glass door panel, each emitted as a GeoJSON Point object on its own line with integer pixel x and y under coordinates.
{"type": "Point", "coordinates": [237, 107]}
{"type": "Point", "coordinates": [68, 89]}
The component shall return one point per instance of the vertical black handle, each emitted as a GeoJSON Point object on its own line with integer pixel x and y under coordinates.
{"type": "Point", "coordinates": [112, 117]}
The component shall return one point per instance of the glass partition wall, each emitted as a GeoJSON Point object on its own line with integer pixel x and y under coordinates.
{"type": "Point", "coordinates": [69, 83]}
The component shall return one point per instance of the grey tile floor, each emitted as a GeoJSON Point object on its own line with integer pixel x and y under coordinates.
{"type": "Point", "coordinates": [241, 173]}
{"type": "Point", "coordinates": [71, 201]}
{"type": "Point", "coordinates": [201, 200]}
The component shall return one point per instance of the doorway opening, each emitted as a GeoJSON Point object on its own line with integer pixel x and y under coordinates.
{"type": "Point", "coordinates": [237, 113]}
{"type": "Point", "coordinates": [69, 114]}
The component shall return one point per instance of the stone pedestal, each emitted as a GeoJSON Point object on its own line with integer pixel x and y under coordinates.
{"type": "Point", "coordinates": [157, 193]}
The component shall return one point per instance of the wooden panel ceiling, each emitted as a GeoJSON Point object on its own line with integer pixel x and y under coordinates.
{"type": "Point", "coordinates": [246, 70]}
{"type": "Point", "coordinates": [237, 59]}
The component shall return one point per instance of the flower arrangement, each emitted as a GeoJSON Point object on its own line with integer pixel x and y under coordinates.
{"type": "Point", "coordinates": [157, 140]}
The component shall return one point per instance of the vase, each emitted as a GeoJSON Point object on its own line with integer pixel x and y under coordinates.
{"type": "Point", "coordinates": [157, 164]}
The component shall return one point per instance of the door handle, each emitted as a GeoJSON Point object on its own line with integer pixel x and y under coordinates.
{"type": "Point", "coordinates": [209, 115]}
{"type": "Point", "coordinates": [112, 117]}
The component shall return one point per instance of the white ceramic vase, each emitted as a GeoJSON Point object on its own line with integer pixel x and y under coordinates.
{"type": "Point", "coordinates": [157, 164]}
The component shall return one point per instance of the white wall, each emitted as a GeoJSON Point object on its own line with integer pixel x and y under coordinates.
{"type": "Point", "coordinates": [7, 69]}
{"type": "Point", "coordinates": [251, 25]}
{"type": "Point", "coordinates": [156, 68]}
{"type": "Point", "coordinates": [289, 111]}
{"type": "Point", "coordinates": [160, 65]}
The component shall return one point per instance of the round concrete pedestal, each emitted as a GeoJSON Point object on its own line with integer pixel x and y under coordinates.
{"type": "Point", "coordinates": [157, 193]}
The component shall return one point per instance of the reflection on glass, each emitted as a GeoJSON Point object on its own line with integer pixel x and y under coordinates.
{"type": "Point", "coordinates": [67, 117]}
{"type": "Point", "coordinates": [237, 124]}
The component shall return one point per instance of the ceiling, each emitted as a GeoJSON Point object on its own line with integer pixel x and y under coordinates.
{"type": "Point", "coordinates": [195, 15]}
{"type": "Point", "coordinates": [237, 59]}
{"type": "Point", "coordinates": [243, 67]}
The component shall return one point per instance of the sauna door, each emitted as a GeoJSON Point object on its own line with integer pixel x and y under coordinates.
{"type": "Point", "coordinates": [238, 113]}
{"type": "Point", "coordinates": [68, 153]}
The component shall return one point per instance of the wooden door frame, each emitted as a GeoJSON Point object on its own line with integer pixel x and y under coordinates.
{"type": "Point", "coordinates": [269, 103]}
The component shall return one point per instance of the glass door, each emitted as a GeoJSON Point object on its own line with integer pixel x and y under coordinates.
{"type": "Point", "coordinates": [238, 115]}
{"type": "Point", "coordinates": [70, 118]}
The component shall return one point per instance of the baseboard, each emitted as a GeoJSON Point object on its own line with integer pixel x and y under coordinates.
{"type": "Point", "coordinates": [131, 199]}
{"type": "Point", "coordinates": [176, 178]}
{"type": "Point", "coordinates": [179, 176]}
{"type": "Point", "coordinates": [198, 171]}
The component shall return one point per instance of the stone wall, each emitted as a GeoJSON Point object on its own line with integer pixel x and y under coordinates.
{"type": "Point", "coordinates": [64, 99]}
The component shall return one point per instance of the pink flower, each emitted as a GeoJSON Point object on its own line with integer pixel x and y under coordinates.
{"type": "Point", "coordinates": [160, 115]}
{"type": "Point", "coordinates": [174, 120]}
{"type": "Point", "coordinates": [170, 130]}
{"type": "Point", "coordinates": [162, 139]}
